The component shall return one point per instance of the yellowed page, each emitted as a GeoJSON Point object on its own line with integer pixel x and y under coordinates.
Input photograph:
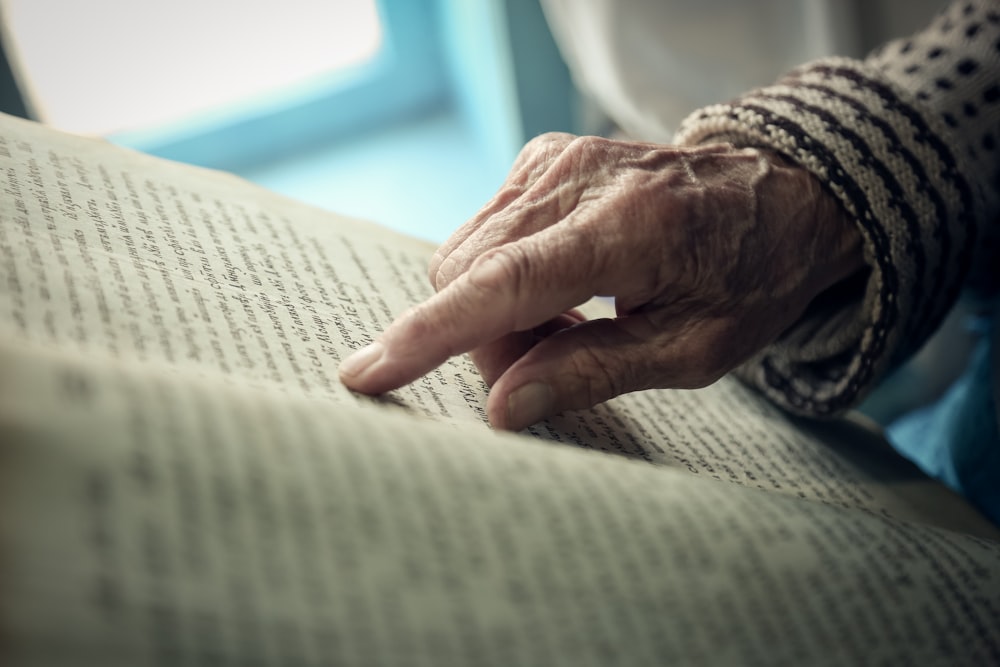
{"type": "Point", "coordinates": [118, 255]}
{"type": "Point", "coordinates": [151, 519]}
{"type": "Point", "coordinates": [110, 251]}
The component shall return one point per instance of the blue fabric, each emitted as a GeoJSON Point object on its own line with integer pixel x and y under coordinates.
{"type": "Point", "coordinates": [957, 439]}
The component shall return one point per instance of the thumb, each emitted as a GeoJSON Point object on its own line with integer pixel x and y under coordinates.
{"type": "Point", "coordinates": [576, 368]}
{"type": "Point", "coordinates": [595, 361]}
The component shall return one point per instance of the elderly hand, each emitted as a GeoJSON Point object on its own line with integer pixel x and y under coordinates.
{"type": "Point", "coordinates": [710, 252]}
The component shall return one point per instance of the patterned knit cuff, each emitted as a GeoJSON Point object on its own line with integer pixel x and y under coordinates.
{"type": "Point", "coordinates": [894, 170]}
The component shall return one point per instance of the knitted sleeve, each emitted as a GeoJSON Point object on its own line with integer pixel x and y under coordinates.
{"type": "Point", "coordinates": [907, 140]}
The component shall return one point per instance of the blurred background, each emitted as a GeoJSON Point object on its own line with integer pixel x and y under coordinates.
{"type": "Point", "coordinates": [405, 112]}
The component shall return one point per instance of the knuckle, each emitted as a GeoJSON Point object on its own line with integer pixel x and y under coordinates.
{"type": "Point", "coordinates": [445, 271]}
{"type": "Point", "coordinates": [434, 270]}
{"type": "Point", "coordinates": [537, 156]}
{"type": "Point", "coordinates": [582, 148]}
{"type": "Point", "coordinates": [541, 147]}
{"type": "Point", "coordinates": [507, 195]}
{"type": "Point", "coordinates": [600, 381]}
{"type": "Point", "coordinates": [501, 269]}
{"type": "Point", "coordinates": [435, 323]}
{"type": "Point", "coordinates": [419, 324]}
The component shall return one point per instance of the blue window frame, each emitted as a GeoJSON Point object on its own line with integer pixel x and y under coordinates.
{"type": "Point", "coordinates": [406, 77]}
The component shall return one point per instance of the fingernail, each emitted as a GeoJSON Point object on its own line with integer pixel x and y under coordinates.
{"type": "Point", "coordinates": [356, 364]}
{"type": "Point", "coordinates": [529, 404]}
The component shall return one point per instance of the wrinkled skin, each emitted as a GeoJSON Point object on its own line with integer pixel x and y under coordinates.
{"type": "Point", "coordinates": [710, 253]}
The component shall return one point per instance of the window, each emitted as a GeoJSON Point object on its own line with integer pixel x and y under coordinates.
{"type": "Point", "coordinates": [223, 82]}
{"type": "Point", "coordinates": [407, 112]}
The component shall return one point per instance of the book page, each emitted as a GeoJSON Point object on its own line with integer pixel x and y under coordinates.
{"type": "Point", "coordinates": [728, 432]}
{"type": "Point", "coordinates": [109, 251]}
{"type": "Point", "coordinates": [115, 254]}
{"type": "Point", "coordinates": [147, 519]}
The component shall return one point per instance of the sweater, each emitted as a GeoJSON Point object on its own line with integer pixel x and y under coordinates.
{"type": "Point", "coordinates": [908, 140]}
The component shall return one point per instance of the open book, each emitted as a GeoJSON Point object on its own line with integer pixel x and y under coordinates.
{"type": "Point", "coordinates": [184, 481]}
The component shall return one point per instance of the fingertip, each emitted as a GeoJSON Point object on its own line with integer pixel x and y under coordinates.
{"type": "Point", "coordinates": [360, 370]}
{"type": "Point", "coordinates": [528, 404]}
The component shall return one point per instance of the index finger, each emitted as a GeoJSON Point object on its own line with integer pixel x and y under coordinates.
{"type": "Point", "coordinates": [512, 288]}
